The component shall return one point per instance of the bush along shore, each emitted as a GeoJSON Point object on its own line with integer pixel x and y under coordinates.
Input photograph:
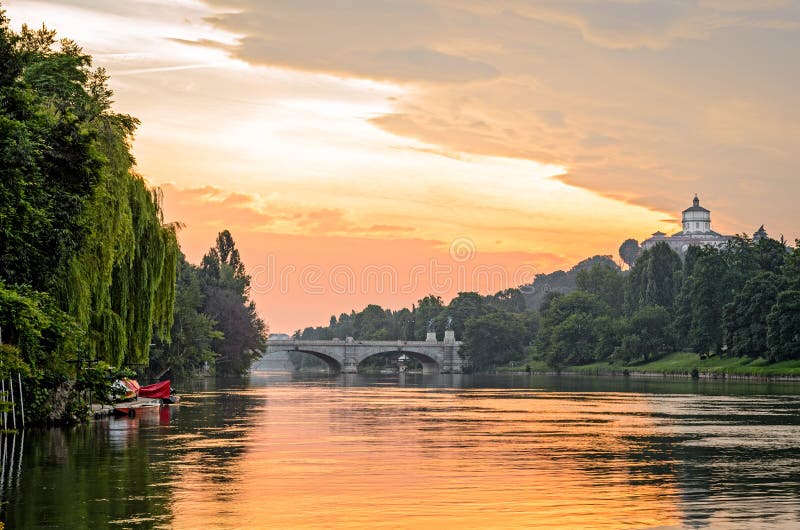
{"type": "Point", "coordinates": [680, 364]}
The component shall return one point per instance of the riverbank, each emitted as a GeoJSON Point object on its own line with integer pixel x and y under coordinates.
{"type": "Point", "coordinates": [681, 364]}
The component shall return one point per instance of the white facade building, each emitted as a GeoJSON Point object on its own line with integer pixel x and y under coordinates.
{"type": "Point", "coordinates": [696, 231]}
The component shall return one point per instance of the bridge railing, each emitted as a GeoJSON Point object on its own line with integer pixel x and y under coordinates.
{"type": "Point", "coordinates": [299, 342]}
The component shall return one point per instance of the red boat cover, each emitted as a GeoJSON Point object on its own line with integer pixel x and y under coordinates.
{"type": "Point", "coordinates": [158, 390]}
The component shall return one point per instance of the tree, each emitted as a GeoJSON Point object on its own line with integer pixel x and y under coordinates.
{"type": "Point", "coordinates": [653, 279]}
{"type": "Point", "coordinates": [607, 283]}
{"type": "Point", "coordinates": [226, 288]}
{"type": "Point", "coordinates": [770, 254]}
{"type": "Point", "coordinates": [783, 327]}
{"type": "Point", "coordinates": [75, 220]}
{"type": "Point", "coordinates": [345, 326]}
{"type": "Point", "coordinates": [427, 309]}
{"type": "Point", "coordinates": [568, 334]}
{"type": "Point", "coordinates": [193, 332]}
{"type": "Point", "coordinates": [609, 332]}
{"type": "Point", "coordinates": [576, 302]}
{"type": "Point", "coordinates": [510, 300]}
{"type": "Point", "coordinates": [82, 237]}
{"type": "Point", "coordinates": [791, 269]}
{"type": "Point", "coordinates": [461, 308]}
{"type": "Point", "coordinates": [628, 251]}
{"type": "Point", "coordinates": [372, 323]}
{"type": "Point", "coordinates": [494, 339]}
{"type": "Point", "coordinates": [708, 290]}
{"type": "Point", "coordinates": [572, 341]}
{"type": "Point", "coordinates": [745, 318]}
{"type": "Point", "coordinates": [648, 334]}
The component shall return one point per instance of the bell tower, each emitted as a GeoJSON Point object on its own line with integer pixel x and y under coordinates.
{"type": "Point", "coordinates": [696, 219]}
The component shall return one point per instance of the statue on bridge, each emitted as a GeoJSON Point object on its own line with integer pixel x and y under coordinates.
{"type": "Point", "coordinates": [449, 325]}
{"type": "Point", "coordinates": [431, 326]}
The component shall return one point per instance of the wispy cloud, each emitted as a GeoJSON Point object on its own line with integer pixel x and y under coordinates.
{"type": "Point", "coordinates": [541, 129]}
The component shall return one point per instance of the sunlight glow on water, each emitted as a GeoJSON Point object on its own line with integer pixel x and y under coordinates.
{"type": "Point", "coordinates": [282, 453]}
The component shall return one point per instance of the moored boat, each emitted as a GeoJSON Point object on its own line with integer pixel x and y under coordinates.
{"type": "Point", "coordinates": [136, 397]}
{"type": "Point", "coordinates": [129, 408]}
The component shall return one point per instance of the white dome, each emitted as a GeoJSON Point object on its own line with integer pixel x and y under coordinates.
{"type": "Point", "coordinates": [696, 219]}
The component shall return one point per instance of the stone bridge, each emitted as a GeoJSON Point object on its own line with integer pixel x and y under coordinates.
{"type": "Point", "coordinates": [345, 355]}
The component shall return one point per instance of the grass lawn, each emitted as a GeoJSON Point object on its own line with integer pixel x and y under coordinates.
{"type": "Point", "coordinates": [684, 363]}
{"type": "Point", "coordinates": [519, 366]}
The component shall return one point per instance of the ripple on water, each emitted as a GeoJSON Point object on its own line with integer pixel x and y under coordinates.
{"type": "Point", "coordinates": [284, 454]}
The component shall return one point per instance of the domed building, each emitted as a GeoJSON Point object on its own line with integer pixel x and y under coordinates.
{"type": "Point", "coordinates": [696, 231]}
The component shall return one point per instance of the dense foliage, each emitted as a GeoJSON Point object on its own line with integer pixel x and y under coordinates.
{"type": "Point", "coordinates": [546, 286]}
{"type": "Point", "coordinates": [88, 268]}
{"type": "Point", "coordinates": [190, 349]}
{"type": "Point", "coordinates": [86, 261]}
{"type": "Point", "coordinates": [215, 322]}
{"type": "Point", "coordinates": [75, 221]}
{"type": "Point", "coordinates": [734, 301]}
{"type": "Point", "coordinates": [226, 288]}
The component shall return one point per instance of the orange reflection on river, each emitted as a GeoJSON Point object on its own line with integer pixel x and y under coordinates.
{"type": "Point", "coordinates": [320, 456]}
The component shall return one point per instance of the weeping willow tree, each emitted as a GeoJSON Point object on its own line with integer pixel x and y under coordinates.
{"type": "Point", "coordinates": [75, 220]}
{"type": "Point", "coordinates": [120, 284]}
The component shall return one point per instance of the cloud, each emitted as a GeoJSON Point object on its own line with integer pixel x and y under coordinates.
{"type": "Point", "coordinates": [208, 207]}
{"type": "Point", "coordinates": [642, 101]}
{"type": "Point", "coordinates": [634, 97]}
{"type": "Point", "coordinates": [391, 228]}
{"type": "Point", "coordinates": [378, 40]}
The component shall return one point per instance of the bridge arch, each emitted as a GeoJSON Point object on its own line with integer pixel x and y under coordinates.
{"type": "Point", "coordinates": [334, 364]}
{"type": "Point", "coordinates": [346, 355]}
{"type": "Point", "coordinates": [430, 364]}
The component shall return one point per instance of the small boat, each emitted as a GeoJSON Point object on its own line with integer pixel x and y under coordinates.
{"type": "Point", "coordinates": [129, 408]}
{"type": "Point", "coordinates": [137, 397]}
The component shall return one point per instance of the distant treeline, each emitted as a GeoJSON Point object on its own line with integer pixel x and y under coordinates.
{"type": "Point", "coordinates": [501, 318]}
{"type": "Point", "coordinates": [743, 300]}
{"type": "Point", "coordinates": [88, 268]}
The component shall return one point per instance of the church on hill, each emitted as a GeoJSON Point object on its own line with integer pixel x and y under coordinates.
{"type": "Point", "coordinates": [696, 231]}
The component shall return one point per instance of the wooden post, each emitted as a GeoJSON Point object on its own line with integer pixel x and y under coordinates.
{"type": "Point", "coordinates": [21, 402]}
{"type": "Point", "coordinates": [3, 463]}
{"type": "Point", "coordinates": [3, 392]}
{"type": "Point", "coordinates": [13, 401]}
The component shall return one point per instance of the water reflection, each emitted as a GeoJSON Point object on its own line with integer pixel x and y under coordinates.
{"type": "Point", "coordinates": [423, 451]}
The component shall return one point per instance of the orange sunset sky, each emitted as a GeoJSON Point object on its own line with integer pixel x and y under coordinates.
{"type": "Point", "coordinates": [376, 150]}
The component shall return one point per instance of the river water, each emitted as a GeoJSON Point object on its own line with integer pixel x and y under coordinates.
{"type": "Point", "coordinates": [283, 451]}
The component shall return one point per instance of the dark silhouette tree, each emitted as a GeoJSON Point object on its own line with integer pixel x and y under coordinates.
{"type": "Point", "coordinates": [628, 251]}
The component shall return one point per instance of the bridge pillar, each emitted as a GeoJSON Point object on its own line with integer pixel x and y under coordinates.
{"type": "Point", "coordinates": [349, 363]}
{"type": "Point", "coordinates": [451, 360]}
{"type": "Point", "coordinates": [430, 337]}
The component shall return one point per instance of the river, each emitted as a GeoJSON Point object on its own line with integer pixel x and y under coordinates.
{"type": "Point", "coordinates": [284, 451]}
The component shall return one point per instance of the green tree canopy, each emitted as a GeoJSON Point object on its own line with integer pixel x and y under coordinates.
{"type": "Point", "coordinates": [783, 327]}
{"type": "Point", "coordinates": [628, 251]}
{"type": "Point", "coordinates": [494, 339]}
{"type": "Point", "coordinates": [653, 278]}
{"type": "Point", "coordinates": [607, 283]}
{"type": "Point", "coordinates": [75, 221]}
{"type": "Point", "coordinates": [226, 291]}
{"type": "Point", "coordinates": [745, 318]}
